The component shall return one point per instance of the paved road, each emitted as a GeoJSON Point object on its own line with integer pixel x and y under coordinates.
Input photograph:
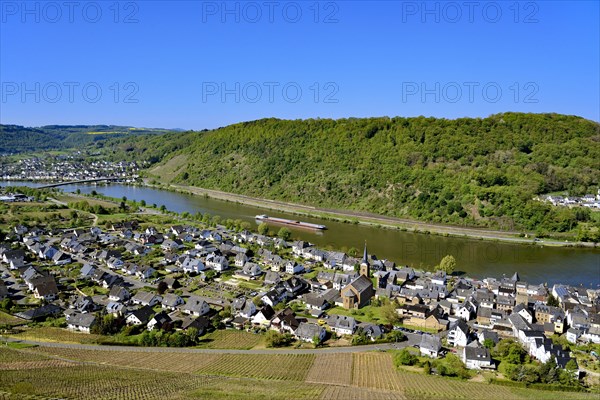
{"type": "Point", "coordinates": [412, 340]}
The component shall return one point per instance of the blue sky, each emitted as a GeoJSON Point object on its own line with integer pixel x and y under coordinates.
{"type": "Point", "coordinates": [196, 65]}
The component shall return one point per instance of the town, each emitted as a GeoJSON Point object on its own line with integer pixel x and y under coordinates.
{"type": "Point", "coordinates": [138, 276]}
{"type": "Point", "coordinates": [75, 166]}
{"type": "Point", "coordinates": [589, 200]}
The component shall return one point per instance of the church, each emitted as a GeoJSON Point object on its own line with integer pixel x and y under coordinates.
{"type": "Point", "coordinates": [359, 292]}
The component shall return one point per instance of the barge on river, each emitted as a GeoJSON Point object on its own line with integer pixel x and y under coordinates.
{"type": "Point", "coordinates": [290, 222]}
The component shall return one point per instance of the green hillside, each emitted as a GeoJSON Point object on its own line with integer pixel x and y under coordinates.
{"type": "Point", "coordinates": [477, 172]}
{"type": "Point", "coordinates": [18, 139]}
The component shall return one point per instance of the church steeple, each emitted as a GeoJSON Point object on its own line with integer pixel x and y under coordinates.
{"type": "Point", "coordinates": [365, 268]}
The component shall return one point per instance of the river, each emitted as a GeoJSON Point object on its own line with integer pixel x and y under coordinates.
{"type": "Point", "coordinates": [477, 258]}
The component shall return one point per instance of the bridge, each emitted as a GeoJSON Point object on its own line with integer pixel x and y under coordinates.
{"type": "Point", "coordinates": [108, 179]}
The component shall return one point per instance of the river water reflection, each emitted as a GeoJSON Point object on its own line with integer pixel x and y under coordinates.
{"type": "Point", "coordinates": [535, 264]}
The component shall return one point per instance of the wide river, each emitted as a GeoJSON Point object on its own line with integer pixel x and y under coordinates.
{"type": "Point", "coordinates": [477, 258]}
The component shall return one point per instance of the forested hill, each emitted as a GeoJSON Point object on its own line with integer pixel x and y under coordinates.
{"type": "Point", "coordinates": [17, 139]}
{"type": "Point", "coordinates": [479, 172]}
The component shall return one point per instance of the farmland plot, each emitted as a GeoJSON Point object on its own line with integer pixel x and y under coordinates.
{"type": "Point", "coordinates": [426, 387]}
{"type": "Point", "coordinates": [376, 371]}
{"type": "Point", "coordinates": [230, 339]}
{"type": "Point", "coordinates": [333, 392]}
{"type": "Point", "coordinates": [292, 367]}
{"type": "Point", "coordinates": [49, 334]}
{"type": "Point", "coordinates": [333, 369]}
{"type": "Point", "coordinates": [229, 388]}
{"type": "Point", "coordinates": [8, 355]}
{"type": "Point", "coordinates": [99, 382]}
{"type": "Point", "coordinates": [162, 361]}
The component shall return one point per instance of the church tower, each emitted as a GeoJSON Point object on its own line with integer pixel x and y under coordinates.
{"type": "Point", "coordinates": [365, 268]}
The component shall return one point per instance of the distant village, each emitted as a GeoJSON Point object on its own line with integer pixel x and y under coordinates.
{"type": "Point", "coordinates": [589, 200]}
{"type": "Point", "coordinates": [72, 167]}
{"type": "Point", "coordinates": [182, 277]}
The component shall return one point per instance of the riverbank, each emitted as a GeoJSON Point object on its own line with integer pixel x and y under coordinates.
{"type": "Point", "coordinates": [364, 218]}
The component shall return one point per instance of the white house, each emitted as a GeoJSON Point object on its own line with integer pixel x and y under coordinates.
{"type": "Point", "coordinates": [190, 265]}
{"type": "Point", "coordinates": [195, 306]}
{"type": "Point", "coordinates": [307, 331]}
{"type": "Point", "coordinates": [263, 316]}
{"type": "Point", "coordinates": [523, 312]}
{"type": "Point", "coordinates": [171, 301]}
{"type": "Point", "coordinates": [430, 345]}
{"type": "Point", "coordinates": [293, 268]}
{"type": "Point", "coordinates": [341, 324]}
{"type": "Point", "coordinates": [218, 263]}
{"type": "Point", "coordinates": [592, 335]}
{"type": "Point", "coordinates": [477, 358]}
{"type": "Point", "coordinates": [146, 298]}
{"type": "Point", "coordinates": [240, 260]}
{"type": "Point", "coordinates": [81, 322]}
{"type": "Point", "coordinates": [458, 334]}
{"type": "Point", "coordinates": [573, 334]}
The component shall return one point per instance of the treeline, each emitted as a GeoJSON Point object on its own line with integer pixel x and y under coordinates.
{"type": "Point", "coordinates": [37, 194]}
{"type": "Point", "coordinates": [517, 366]}
{"type": "Point", "coordinates": [108, 324]}
{"type": "Point", "coordinates": [469, 171]}
{"type": "Point", "coordinates": [18, 139]}
{"type": "Point", "coordinates": [87, 207]}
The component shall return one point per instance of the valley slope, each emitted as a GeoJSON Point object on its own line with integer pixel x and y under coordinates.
{"type": "Point", "coordinates": [482, 172]}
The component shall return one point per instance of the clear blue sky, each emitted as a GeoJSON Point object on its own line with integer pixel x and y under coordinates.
{"type": "Point", "coordinates": [366, 59]}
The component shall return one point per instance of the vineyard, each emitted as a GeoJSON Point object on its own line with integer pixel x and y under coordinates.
{"type": "Point", "coordinates": [292, 367]}
{"type": "Point", "coordinates": [159, 360]}
{"type": "Point", "coordinates": [8, 356]}
{"type": "Point", "coordinates": [375, 371]}
{"type": "Point", "coordinates": [167, 373]}
{"type": "Point", "coordinates": [244, 389]}
{"type": "Point", "coordinates": [230, 339]}
{"type": "Point", "coordinates": [333, 369]}
{"type": "Point", "coordinates": [7, 319]}
{"type": "Point", "coordinates": [99, 382]}
{"type": "Point", "coordinates": [333, 392]}
{"type": "Point", "coordinates": [49, 334]}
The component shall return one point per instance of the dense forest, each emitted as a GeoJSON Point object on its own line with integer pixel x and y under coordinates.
{"type": "Point", "coordinates": [18, 139]}
{"type": "Point", "coordinates": [468, 171]}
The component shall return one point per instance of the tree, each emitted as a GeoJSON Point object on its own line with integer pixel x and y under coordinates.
{"type": "Point", "coordinates": [263, 229]}
{"type": "Point", "coordinates": [427, 367]}
{"type": "Point", "coordinates": [395, 336]}
{"type": "Point", "coordinates": [405, 357]}
{"type": "Point", "coordinates": [359, 337]}
{"type": "Point", "coordinates": [284, 233]}
{"type": "Point", "coordinates": [316, 340]}
{"type": "Point", "coordinates": [210, 275]}
{"type": "Point", "coordinates": [488, 343]}
{"type": "Point", "coordinates": [448, 264]}
{"type": "Point", "coordinates": [571, 365]}
{"type": "Point", "coordinates": [162, 287]}
{"type": "Point", "coordinates": [6, 304]}
{"type": "Point", "coordinates": [552, 301]}
{"type": "Point", "coordinates": [143, 203]}
{"type": "Point", "coordinates": [388, 311]}
{"type": "Point", "coordinates": [276, 339]}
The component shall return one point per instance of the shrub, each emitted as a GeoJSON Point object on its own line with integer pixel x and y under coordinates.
{"type": "Point", "coordinates": [404, 357]}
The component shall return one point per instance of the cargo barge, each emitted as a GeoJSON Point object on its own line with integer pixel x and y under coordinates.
{"type": "Point", "coordinates": [290, 222]}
